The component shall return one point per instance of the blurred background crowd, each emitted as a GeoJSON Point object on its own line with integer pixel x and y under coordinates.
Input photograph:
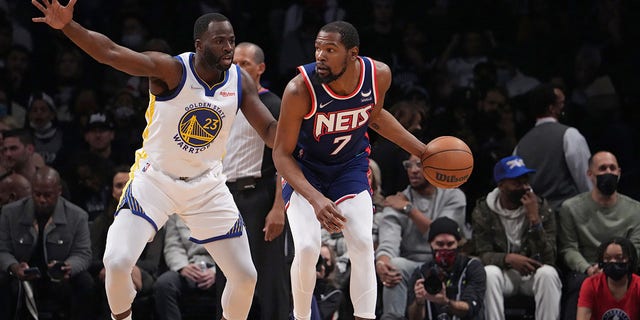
{"type": "Point", "coordinates": [460, 67]}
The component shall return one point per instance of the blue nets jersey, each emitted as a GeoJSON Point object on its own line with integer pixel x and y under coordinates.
{"type": "Point", "coordinates": [333, 144]}
{"type": "Point", "coordinates": [335, 129]}
{"type": "Point", "coordinates": [187, 129]}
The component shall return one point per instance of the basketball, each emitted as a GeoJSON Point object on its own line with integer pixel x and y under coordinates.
{"type": "Point", "coordinates": [447, 162]}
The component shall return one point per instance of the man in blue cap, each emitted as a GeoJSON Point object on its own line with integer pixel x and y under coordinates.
{"type": "Point", "coordinates": [515, 237]}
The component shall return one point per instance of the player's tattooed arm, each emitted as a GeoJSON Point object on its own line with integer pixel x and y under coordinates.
{"type": "Point", "coordinates": [375, 126]}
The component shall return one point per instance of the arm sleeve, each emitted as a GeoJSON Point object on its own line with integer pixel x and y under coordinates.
{"type": "Point", "coordinates": [577, 154]}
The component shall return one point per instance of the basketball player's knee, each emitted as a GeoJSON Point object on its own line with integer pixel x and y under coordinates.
{"type": "Point", "coordinates": [245, 279]}
{"type": "Point", "coordinates": [361, 245]}
{"type": "Point", "coordinates": [308, 254]}
{"type": "Point", "coordinates": [118, 262]}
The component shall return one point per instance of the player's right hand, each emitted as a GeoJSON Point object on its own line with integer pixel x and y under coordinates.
{"type": "Point", "coordinates": [55, 15]}
{"type": "Point", "coordinates": [328, 214]}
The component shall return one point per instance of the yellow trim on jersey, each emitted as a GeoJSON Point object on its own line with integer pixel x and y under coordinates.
{"type": "Point", "coordinates": [149, 116]}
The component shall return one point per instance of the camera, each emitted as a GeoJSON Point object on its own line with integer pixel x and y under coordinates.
{"type": "Point", "coordinates": [434, 277]}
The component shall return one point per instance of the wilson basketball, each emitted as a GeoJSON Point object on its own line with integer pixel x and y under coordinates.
{"type": "Point", "coordinates": [447, 162]}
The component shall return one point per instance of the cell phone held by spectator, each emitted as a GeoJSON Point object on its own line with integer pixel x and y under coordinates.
{"type": "Point", "coordinates": [33, 271]}
{"type": "Point", "coordinates": [55, 272]}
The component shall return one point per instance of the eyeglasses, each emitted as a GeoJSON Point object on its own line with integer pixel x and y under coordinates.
{"type": "Point", "coordinates": [407, 164]}
{"type": "Point", "coordinates": [443, 244]}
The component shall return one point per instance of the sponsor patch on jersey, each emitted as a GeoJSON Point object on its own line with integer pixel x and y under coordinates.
{"type": "Point", "coordinates": [198, 127]}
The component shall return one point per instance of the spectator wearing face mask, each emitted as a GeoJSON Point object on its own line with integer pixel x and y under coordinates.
{"type": "Point", "coordinates": [450, 286]}
{"type": "Point", "coordinates": [615, 292]}
{"type": "Point", "coordinates": [590, 218]}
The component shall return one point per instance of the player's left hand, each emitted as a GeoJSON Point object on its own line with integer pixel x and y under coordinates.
{"type": "Point", "coordinates": [273, 224]}
{"type": "Point", "coordinates": [55, 15]}
{"type": "Point", "coordinates": [328, 214]}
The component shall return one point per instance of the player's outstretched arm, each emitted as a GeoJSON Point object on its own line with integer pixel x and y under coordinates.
{"type": "Point", "coordinates": [103, 50]}
{"type": "Point", "coordinates": [256, 112]}
{"type": "Point", "coordinates": [384, 123]}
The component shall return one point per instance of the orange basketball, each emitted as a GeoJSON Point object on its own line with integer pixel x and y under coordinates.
{"type": "Point", "coordinates": [447, 162]}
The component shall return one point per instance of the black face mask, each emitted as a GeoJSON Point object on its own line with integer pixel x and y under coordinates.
{"type": "Point", "coordinates": [607, 183]}
{"type": "Point", "coordinates": [515, 196]}
{"type": "Point", "coordinates": [615, 270]}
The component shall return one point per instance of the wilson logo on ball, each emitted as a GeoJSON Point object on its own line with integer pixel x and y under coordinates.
{"type": "Point", "coordinates": [446, 178]}
{"type": "Point", "coordinates": [447, 162]}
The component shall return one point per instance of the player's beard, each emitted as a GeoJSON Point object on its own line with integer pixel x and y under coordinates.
{"type": "Point", "coordinates": [332, 76]}
{"type": "Point", "coordinates": [214, 61]}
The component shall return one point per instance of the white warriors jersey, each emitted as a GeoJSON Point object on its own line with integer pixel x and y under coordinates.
{"type": "Point", "coordinates": [187, 130]}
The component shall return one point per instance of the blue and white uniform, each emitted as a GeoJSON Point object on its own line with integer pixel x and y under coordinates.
{"type": "Point", "coordinates": [332, 152]}
{"type": "Point", "coordinates": [179, 167]}
{"type": "Point", "coordinates": [333, 144]}
{"type": "Point", "coordinates": [179, 170]}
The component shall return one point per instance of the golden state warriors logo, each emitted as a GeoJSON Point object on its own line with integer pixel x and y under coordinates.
{"type": "Point", "coordinates": [198, 127]}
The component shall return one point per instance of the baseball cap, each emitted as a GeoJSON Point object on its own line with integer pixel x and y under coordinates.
{"type": "Point", "coordinates": [509, 168]}
{"type": "Point", "coordinates": [99, 121]}
{"type": "Point", "coordinates": [444, 225]}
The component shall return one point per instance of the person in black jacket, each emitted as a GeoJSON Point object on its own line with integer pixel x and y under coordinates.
{"type": "Point", "coordinates": [451, 286]}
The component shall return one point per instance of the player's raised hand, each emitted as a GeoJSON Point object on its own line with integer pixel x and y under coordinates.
{"type": "Point", "coordinates": [55, 15]}
{"type": "Point", "coordinates": [328, 214]}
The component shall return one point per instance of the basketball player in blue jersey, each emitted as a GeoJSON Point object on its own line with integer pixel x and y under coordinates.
{"type": "Point", "coordinates": [194, 98]}
{"type": "Point", "coordinates": [322, 149]}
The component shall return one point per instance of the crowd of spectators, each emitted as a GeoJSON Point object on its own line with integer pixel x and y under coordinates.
{"type": "Point", "coordinates": [525, 77]}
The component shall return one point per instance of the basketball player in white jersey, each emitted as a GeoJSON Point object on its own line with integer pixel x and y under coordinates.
{"type": "Point", "coordinates": [194, 98]}
{"type": "Point", "coordinates": [322, 150]}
